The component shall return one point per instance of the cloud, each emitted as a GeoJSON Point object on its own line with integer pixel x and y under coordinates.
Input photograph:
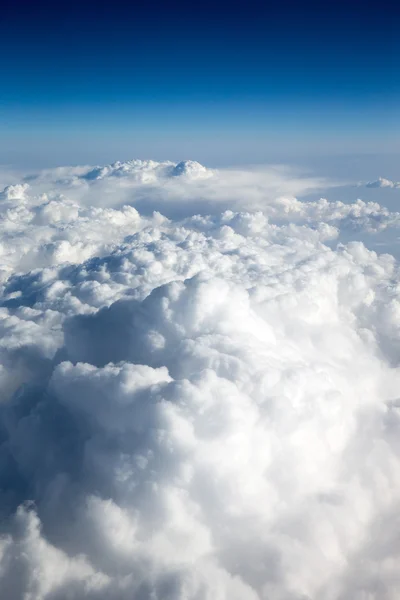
{"type": "Point", "coordinates": [382, 183]}
{"type": "Point", "coordinates": [176, 190]}
{"type": "Point", "coordinates": [71, 214]}
{"type": "Point", "coordinates": [201, 406]}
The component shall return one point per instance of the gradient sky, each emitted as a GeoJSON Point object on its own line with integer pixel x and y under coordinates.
{"type": "Point", "coordinates": [97, 81]}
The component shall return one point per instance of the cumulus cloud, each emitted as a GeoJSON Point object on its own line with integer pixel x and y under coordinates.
{"type": "Point", "coordinates": [381, 182]}
{"type": "Point", "coordinates": [202, 405]}
{"type": "Point", "coordinates": [177, 190]}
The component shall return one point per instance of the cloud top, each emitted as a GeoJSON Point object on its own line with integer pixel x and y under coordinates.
{"type": "Point", "coordinates": [381, 182]}
{"type": "Point", "coordinates": [201, 406]}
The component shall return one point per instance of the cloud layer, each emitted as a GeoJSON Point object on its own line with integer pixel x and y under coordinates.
{"type": "Point", "coordinates": [202, 405]}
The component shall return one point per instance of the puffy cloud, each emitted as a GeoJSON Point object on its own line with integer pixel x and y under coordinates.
{"type": "Point", "coordinates": [176, 190]}
{"type": "Point", "coordinates": [198, 407]}
{"type": "Point", "coordinates": [381, 182]}
{"type": "Point", "coordinates": [14, 192]}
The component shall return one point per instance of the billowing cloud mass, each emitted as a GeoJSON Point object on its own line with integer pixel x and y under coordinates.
{"type": "Point", "coordinates": [199, 388]}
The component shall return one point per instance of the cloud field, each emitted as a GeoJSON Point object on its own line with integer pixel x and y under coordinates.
{"type": "Point", "coordinates": [199, 387]}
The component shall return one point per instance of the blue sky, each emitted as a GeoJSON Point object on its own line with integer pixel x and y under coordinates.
{"type": "Point", "coordinates": [92, 82]}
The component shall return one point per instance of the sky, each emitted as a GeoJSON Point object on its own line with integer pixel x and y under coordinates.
{"type": "Point", "coordinates": [245, 82]}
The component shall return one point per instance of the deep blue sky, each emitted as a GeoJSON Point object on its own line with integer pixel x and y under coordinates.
{"type": "Point", "coordinates": [97, 81]}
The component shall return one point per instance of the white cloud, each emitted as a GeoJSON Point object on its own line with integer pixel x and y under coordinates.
{"type": "Point", "coordinates": [197, 407]}
{"type": "Point", "coordinates": [381, 182]}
